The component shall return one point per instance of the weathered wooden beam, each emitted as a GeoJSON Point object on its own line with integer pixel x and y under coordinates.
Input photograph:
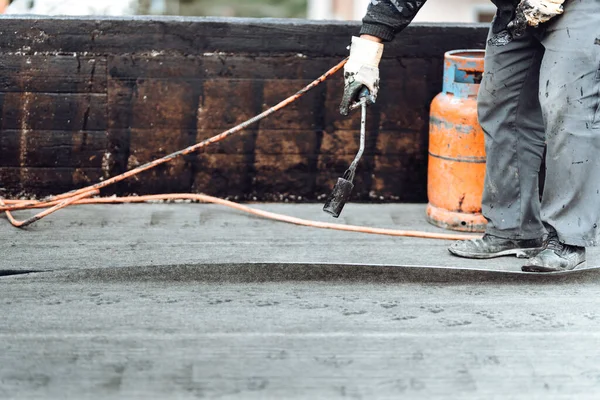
{"type": "Point", "coordinates": [73, 73]}
{"type": "Point", "coordinates": [92, 97]}
{"type": "Point", "coordinates": [189, 35]}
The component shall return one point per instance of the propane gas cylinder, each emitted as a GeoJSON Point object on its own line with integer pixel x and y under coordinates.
{"type": "Point", "coordinates": [456, 169]}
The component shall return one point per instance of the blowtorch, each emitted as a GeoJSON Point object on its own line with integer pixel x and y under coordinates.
{"type": "Point", "coordinates": [343, 188]}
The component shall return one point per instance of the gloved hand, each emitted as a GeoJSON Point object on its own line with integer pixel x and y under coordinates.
{"type": "Point", "coordinates": [528, 13]}
{"type": "Point", "coordinates": [362, 69]}
{"type": "Point", "coordinates": [537, 12]}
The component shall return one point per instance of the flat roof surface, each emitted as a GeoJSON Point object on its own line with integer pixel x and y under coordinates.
{"type": "Point", "coordinates": [104, 236]}
{"type": "Point", "coordinates": [191, 301]}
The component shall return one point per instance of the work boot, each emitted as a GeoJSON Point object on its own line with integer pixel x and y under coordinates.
{"type": "Point", "coordinates": [490, 246]}
{"type": "Point", "coordinates": [556, 257]}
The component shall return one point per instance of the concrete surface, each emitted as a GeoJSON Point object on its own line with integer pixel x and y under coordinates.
{"type": "Point", "coordinates": [194, 301]}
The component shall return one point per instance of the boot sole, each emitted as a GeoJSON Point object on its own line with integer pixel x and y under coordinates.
{"type": "Point", "coordinates": [535, 268]}
{"type": "Point", "coordinates": [519, 253]}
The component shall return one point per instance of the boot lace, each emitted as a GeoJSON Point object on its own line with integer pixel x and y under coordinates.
{"type": "Point", "coordinates": [553, 243]}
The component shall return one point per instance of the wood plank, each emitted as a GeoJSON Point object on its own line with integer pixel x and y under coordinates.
{"type": "Point", "coordinates": [285, 142]}
{"type": "Point", "coordinates": [157, 65]}
{"type": "Point", "coordinates": [153, 103]}
{"type": "Point", "coordinates": [159, 108]}
{"type": "Point", "coordinates": [226, 103]}
{"type": "Point", "coordinates": [227, 167]}
{"type": "Point", "coordinates": [52, 73]}
{"type": "Point", "coordinates": [285, 163]}
{"type": "Point", "coordinates": [300, 115]}
{"type": "Point", "coordinates": [36, 182]}
{"type": "Point", "coordinates": [52, 149]}
{"type": "Point", "coordinates": [165, 104]}
{"type": "Point", "coordinates": [400, 167]}
{"type": "Point", "coordinates": [281, 66]}
{"type": "Point", "coordinates": [54, 111]}
{"type": "Point", "coordinates": [227, 175]}
{"type": "Point", "coordinates": [119, 99]}
{"type": "Point", "coordinates": [150, 144]}
{"type": "Point", "coordinates": [406, 92]}
{"type": "Point", "coordinates": [179, 35]}
{"type": "Point", "coordinates": [283, 178]}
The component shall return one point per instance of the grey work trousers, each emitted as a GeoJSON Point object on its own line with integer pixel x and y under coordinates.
{"type": "Point", "coordinates": [542, 91]}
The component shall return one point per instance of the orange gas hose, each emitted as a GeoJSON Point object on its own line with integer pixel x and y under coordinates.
{"type": "Point", "coordinates": [62, 204]}
{"type": "Point", "coordinates": [261, 213]}
{"type": "Point", "coordinates": [81, 196]}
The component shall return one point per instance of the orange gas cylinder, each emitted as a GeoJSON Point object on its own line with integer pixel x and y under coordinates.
{"type": "Point", "coordinates": [456, 168]}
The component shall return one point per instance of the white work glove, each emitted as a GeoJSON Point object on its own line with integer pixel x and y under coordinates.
{"type": "Point", "coordinates": [361, 70]}
{"type": "Point", "coordinates": [539, 11]}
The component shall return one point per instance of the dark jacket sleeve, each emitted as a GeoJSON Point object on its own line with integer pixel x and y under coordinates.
{"type": "Point", "coordinates": [386, 18]}
{"type": "Point", "coordinates": [505, 13]}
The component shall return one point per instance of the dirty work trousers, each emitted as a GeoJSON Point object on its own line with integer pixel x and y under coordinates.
{"type": "Point", "coordinates": [543, 90]}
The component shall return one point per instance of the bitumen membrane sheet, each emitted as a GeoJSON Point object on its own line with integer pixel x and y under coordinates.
{"type": "Point", "coordinates": [198, 301]}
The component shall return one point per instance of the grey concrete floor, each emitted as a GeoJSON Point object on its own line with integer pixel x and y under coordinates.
{"type": "Point", "coordinates": [195, 301]}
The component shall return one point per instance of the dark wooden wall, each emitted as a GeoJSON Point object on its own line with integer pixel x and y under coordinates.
{"type": "Point", "coordinates": [85, 99]}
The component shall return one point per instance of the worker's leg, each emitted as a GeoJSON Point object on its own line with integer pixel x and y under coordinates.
{"type": "Point", "coordinates": [570, 99]}
{"type": "Point", "coordinates": [510, 115]}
